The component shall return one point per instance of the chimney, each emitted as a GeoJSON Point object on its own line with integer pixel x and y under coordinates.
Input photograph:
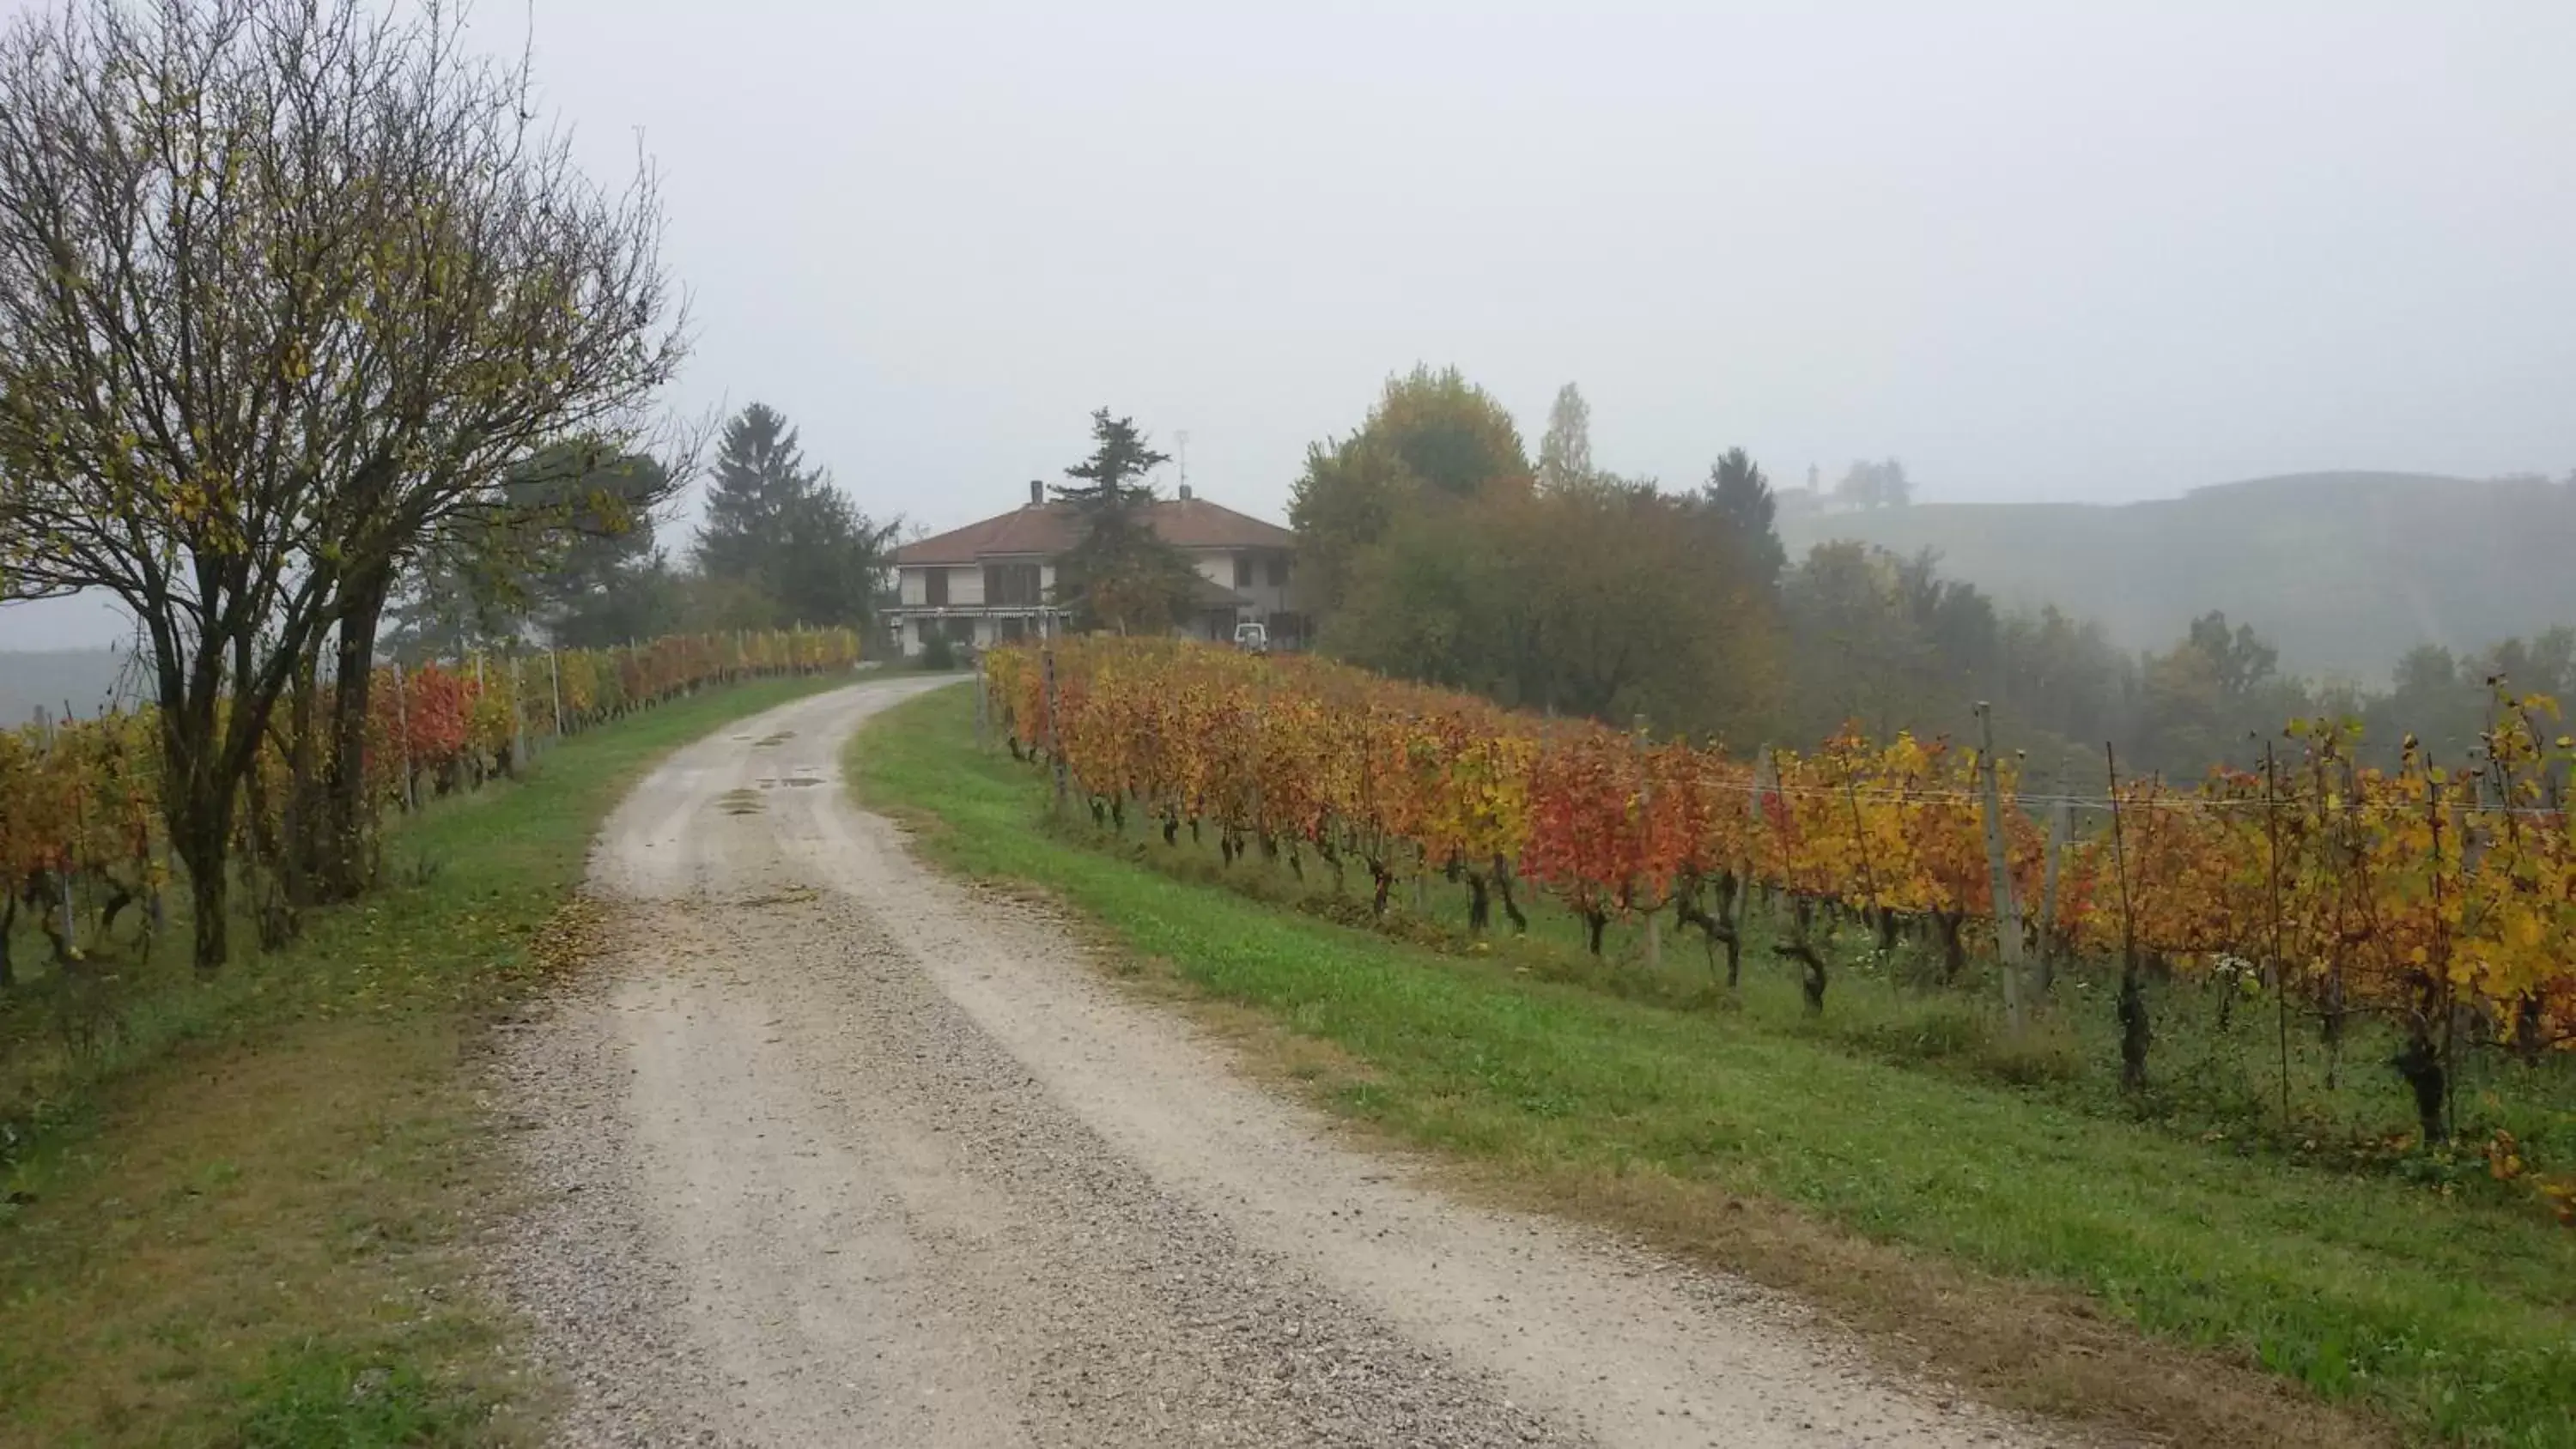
{"type": "Point", "coordinates": [1185, 493]}
{"type": "Point", "coordinates": [1037, 493]}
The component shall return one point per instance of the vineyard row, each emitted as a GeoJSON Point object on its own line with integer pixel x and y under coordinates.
{"type": "Point", "coordinates": [2442, 900]}
{"type": "Point", "coordinates": [82, 836]}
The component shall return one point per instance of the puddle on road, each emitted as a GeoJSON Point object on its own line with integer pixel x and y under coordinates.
{"type": "Point", "coordinates": [739, 802]}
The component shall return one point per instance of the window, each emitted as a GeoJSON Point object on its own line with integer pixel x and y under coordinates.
{"type": "Point", "coordinates": [934, 588]}
{"type": "Point", "coordinates": [1279, 571]}
{"type": "Point", "coordinates": [1243, 571]}
{"type": "Point", "coordinates": [1011, 583]}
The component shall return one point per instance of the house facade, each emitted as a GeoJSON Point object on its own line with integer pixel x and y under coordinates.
{"type": "Point", "coordinates": [994, 581]}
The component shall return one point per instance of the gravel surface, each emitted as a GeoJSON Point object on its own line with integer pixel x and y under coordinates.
{"type": "Point", "coordinates": [833, 1151]}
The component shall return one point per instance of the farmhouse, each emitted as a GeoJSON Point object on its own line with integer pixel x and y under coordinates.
{"type": "Point", "coordinates": [995, 580]}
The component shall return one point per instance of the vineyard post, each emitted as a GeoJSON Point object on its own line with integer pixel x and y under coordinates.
{"type": "Point", "coordinates": [402, 732]}
{"type": "Point", "coordinates": [518, 722]}
{"type": "Point", "coordinates": [2007, 910]}
{"type": "Point", "coordinates": [2133, 1006]}
{"type": "Point", "coordinates": [983, 709]}
{"type": "Point", "coordinates": [554, 674]}
{"type": "Point", "coordinates": [1744, 878]}
{"type": "Point", "coordinates": [62, 876]}
{"type": "Point", "coordinates": [1860, 841]}
{"type": "Point", "coordinates": [1055, 734]}
{"type": "Point", "coordinates": [2280, 959]}
{"type": "Point", "coordinates": [1645, 822]}
{"type": "Point", "coordinates": [2441, 964]}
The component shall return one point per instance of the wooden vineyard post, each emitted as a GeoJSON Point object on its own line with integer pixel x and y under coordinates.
{"type": "Point", "coordinates": [518, 723]}
{"type": "Point", "coordinates": [1645, 821]}
{"type": "Point", "coordinates": [1744, 878]}
{"type": "Point", "coordinates": [402, 733]}
{"type": "Point", "coordinates": [2133, 1003]}
{"type": "Point", "coordinates": [983, 715]}
{"type": "Point", "coordinates": [554, 674]}
{"type": "Point", "coordinates": [63, 876]}
{"type": "Point", "coordinates": [2280, 960]}
{"type": "Point", "coordinates": [1055, 734]}
{"type": "Point", "coordinates": [2007, 910]}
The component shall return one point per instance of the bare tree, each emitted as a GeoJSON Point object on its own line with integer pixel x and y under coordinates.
{"type": "Point", "coordinates": [284, 286]}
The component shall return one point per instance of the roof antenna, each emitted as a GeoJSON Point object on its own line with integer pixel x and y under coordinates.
{"type": "Point", "coordinates": [1182, 437]}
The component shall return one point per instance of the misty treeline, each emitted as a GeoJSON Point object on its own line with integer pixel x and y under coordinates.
{"type": "Point", "coordinates": [299, 302]}
{"type": "Point", "coordinates": [1432, 547]}
{"type": "Point", "coordinates": [779, 546]}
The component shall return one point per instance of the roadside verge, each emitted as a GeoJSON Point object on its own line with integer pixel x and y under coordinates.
{"type": "Point", "coordinates": [257, 1233]}
{"type": "Point", "coordinates": [2090, 1269]}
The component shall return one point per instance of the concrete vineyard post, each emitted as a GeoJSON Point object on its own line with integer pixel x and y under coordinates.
{"type": "Point", "coordinates": [554, 675]}
{"type": "Point", "coordinates": [518, 722]}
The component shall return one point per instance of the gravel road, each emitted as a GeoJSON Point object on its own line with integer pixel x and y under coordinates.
{"type": "Point", "coordinates": [833, 1151]}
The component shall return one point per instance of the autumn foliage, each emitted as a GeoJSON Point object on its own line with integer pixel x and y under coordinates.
{"type": "Point", "coordinates": [2441, 900]}
{"type": "Point", "coordinates": [81, 812]}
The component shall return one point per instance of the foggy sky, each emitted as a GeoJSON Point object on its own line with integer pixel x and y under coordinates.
{"type": "Point", "coordinates": [2036, 250]}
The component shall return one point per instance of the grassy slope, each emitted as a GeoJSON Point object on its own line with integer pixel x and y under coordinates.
{"type": "Point", "coordinates": [1996, 1226]}
{"type": "Point", "coordinates": [2343, 571]}
{"type": "Point", "coordinates": [244, 1226]}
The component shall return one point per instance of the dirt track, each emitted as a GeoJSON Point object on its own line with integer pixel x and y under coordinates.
{"type": "Point", "coordinates": [835, 1152]}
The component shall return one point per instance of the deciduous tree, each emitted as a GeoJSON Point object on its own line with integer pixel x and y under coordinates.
{"type": "Point", "coordinates": [283, 287]}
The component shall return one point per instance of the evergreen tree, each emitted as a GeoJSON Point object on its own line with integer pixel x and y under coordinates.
{"type": "Point", "coordinates": [1119, 574]}
{"type": "Point", "coordinates": [1738, 492]}
{"type": "Point", "coordinates": [759, 474]}
{"type": "Point", "coordinates": [779, 533]}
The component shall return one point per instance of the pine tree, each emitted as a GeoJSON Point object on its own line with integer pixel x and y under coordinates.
{"type": "Point", "coordinates": [781, 530]}
{"type": "Point", "coordinates": [1739, 493]}
{"type": "Point", "coordinates": [1119, 574]}
{"type": "Point", "coordinates": [758, 476]}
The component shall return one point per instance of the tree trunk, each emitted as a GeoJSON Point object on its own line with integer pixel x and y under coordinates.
{"type": "Point", "coordinates": [1954, 950]}
{"type": "Point", "coordinates": [1503, 888]}
{"type": "Point", "coordinates": [307, 816]}
{"type": "Point", "coordinates": [347, 864]}
{"type": "Point", "coordinates": [1801, 948]}
{"type": "Point", "coordinates": [2421, 1066]}
{"type": "Point", "coordinates": [2134, 1032]}
{"type": "Point", "coordinates": [198, 833]}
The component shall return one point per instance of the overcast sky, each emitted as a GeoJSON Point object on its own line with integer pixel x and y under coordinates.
{"type": "Point", "coordinates": [2036, 250]}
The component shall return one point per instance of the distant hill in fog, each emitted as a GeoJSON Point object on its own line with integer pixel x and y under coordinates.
{"type": "Point", "coordinates": [2343, 571]}
{"type": "Point", "coordinates": [84, 677]}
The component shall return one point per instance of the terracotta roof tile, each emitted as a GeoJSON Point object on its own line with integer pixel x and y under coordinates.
{"type": "Point", "coordinates": [1185, 522]}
